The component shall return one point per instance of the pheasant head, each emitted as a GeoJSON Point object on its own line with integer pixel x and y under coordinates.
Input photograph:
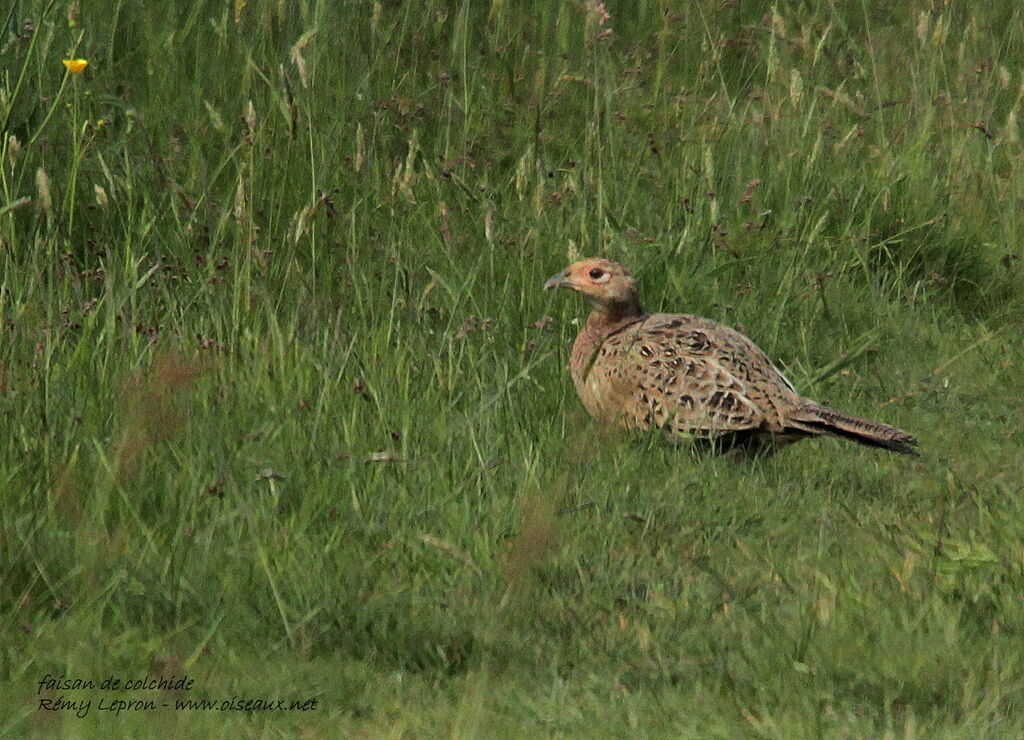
{"type": "Point", "coordinates": [606, 286]}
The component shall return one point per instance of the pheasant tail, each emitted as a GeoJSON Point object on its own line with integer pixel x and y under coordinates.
{"type": "Point", "coordinates": [817, 419]}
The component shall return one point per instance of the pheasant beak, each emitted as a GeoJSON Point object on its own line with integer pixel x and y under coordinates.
{"type": "Point", "coordinates": [558, 281]}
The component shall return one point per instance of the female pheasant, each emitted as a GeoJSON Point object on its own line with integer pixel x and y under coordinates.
{"type": "Point", "coordinates": [691, 376]}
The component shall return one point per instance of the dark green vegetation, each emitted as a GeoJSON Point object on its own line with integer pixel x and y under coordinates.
{"type": "Point", "coordinates": [283, 408]}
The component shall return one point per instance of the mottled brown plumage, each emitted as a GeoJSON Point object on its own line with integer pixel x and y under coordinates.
{"type": "Point", "coordinates": [691, 376]}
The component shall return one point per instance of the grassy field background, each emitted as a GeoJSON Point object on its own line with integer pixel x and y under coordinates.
{"type": "Point", "coordinates": [286, 410]}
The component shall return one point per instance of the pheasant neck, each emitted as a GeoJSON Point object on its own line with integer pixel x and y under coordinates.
{"type": "Point", "coordinates": [609, 317]}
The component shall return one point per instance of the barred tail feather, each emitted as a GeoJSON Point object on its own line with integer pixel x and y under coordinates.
{"type": "Point", "coordinates": [814, 418]}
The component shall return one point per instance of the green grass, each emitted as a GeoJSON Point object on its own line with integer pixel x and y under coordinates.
{"type": "Point", "coordinates": [307, 236]}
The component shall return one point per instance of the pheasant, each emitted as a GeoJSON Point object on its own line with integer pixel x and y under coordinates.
{"type": "Point", "coordinates": [690, 376]}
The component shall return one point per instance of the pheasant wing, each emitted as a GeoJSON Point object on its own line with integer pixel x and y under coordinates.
{"type": "Point", "coordinates": [661, 377]}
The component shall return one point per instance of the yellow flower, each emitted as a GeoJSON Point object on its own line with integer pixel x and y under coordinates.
{"type": "Point", "coordinates": [74, 66]}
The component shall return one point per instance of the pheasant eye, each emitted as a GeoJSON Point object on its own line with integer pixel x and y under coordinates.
{"type": "Point", "coordinates": [596, 274]}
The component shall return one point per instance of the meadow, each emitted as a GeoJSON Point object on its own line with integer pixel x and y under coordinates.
{"type": "Point", "coordinates": [286, 411]}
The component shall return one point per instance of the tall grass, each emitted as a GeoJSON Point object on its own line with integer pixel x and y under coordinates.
{"type": "Point", "coordinates": [286, 410]}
